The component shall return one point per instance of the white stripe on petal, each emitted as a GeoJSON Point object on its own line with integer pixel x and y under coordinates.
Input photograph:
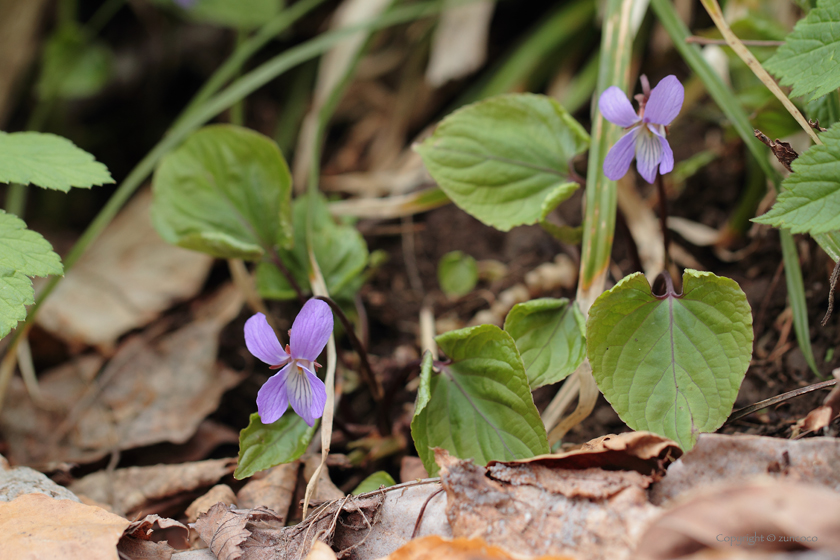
{"type": "Point", "coordinates": [648, 155]}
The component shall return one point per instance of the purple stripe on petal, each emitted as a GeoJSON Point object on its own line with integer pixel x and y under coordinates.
{"type": "Point", "coordinates": [648, 155]}
{"type": "Point", "coordinates": [665, 101]}
{"type": "Point", "coordinates": [272, 399]}
{"type": "Point", "coordinates": [311, 330]}
{"type": "Point", "coordinates": [616, 108]}
{"type": "Point", "coordinates": [262, 342]}
{"type": "Point", "coordinates": [620, 156]}
{"type": "Point", "coordinates": [307, 394]}
{"type": "Point", "coordinates": [667, 164]}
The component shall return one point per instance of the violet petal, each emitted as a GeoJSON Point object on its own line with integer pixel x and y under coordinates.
{"type": "Point", "coordinates": [273, 399]}
{"type": "Point", "coordinates": [616, 108]}
{"type": "Point", "coordinates": [667, 164]}
{"type": "Point", "coordinates": [307, 394]}
{"type": "Point", "coordinates": [648, 155]}
{"type": "Point", "coordinates": [262, 342]}
{"type": "Point", "coordinates": [311, 330]}
{"type": "Point", "coordinates": [620, 156]}
{"type": "Point", "coordinates": [665, 101]}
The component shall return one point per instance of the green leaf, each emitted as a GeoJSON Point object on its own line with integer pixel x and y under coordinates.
{"type": "Point", "coordinates": [340, 249]}
{"type": "Point", "coordinates": [672, 364]}
{"type": "Point", "coordinates": [457, 273]}
{"type": "Point", "coordinates": [809, 61]}
{"type": "Point", "coordinates": [23, 253]}
{"type": "Point", "coordinates": [479, 405]}
{"type": "Point", "coordinates": [262, 446]}
{"type": "Point", "coordinates": [549, 334]}
{"type": "Point", "coordinates": [499, 159]}
{"type": "Point", "coordinates": [226, 192]}
{"type": "Point", "coordinates": [810, 199]}
{"type": "Point", "coordinates": [48, 161]}
{"type": "Point", "coordinates": [245, 14]}
{"type": "Point", "coordinates": [16, 293]}
{"type": "Point", "coordinates": [373, 483]}
{"type": "Point", "coordinates": [73, 66]}
{"type": "Point", "coordinates": [825, 109]}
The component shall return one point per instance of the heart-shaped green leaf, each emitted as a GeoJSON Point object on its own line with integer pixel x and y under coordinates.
{"type": "Point", "coordinates": [672, 364]}
{"type": "Point", "coordinates": [499, 159]}
{"type": "Point", "coordinates": [262, 446]}
{"type": "Point", "coordinates": [340, 249]}
{"type": "Point", "coordinates": [226, 192]}
{"type": "Point", "coordinates": [457, 273]}
{"type": "Point", "coordinates": [549, 334]}
{"type": "Point", "coordinates": [478, 405]}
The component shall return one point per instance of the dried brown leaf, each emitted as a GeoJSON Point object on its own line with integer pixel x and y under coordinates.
{"type": "Point", "coordinates": [135, 487]}
{"type": "Point", "coordinates": [763, 516]}
{"type": "Point", "coordinates": [142, 539]}
{"type": "Point", "coordinates": [37, 527]}
{"type": "Point", "coordinates": [23, 480]}
{"type": "Point", "coordinates": [320, 551]}
{"type": "Point", "coordinates": [411, 468]}
{"type": "Point", "coordinates": [259, 534]}
{"type": "Point", "coordinates": [438, 548]}
{"type": "Point", "coordinates": [459, 46]}
{"type": "Point", "coordinates": [718, 459]}
{"type": "Point", "coordinates": [644, 452]}
{"type": "Point", "coordinates": [272, 489]}
{"type": "Point", "coordinates": [127, 278]}
{"type": "Point", "coordinates": [532, 520]}
{"type": "Point", "coordinates": [150, 391]}
{"type": "Point", "coordinates": [221, 493]}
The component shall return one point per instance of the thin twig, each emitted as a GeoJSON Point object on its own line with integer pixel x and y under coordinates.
{"type": "Point", "coordinates": [832, 283]}
{"type": "Point", "coordinates": [746, 411]}
{"type": "Point", "coordinates": [366, 371]}
{"type": "Point", "coordinates": [748, 42]}
{"type": "Point", "coordinates": [422, 511]}
{"type": "Point", "coordinates": [278, 262]}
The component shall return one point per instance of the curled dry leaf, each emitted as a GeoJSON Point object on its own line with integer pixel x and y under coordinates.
{"type": "Point", "coordinates": [150, 391]}
{"type": "Point", "coordinates": [762, 516]}
{"type": "Point", "coordinates": [643, 452]}
{"type": "Point", "coordinates": [37, 527]}
{"type": "Point", "coordinates": [142, 539]}
{"type": "Point", "coordinates": [320, 551]}
{"type": "Point", "coordinates": [439, 548]}
{"type": "Point", "coordinates": [132, 489]}
{"type": "Point", "coordinates": [127, 278]}
{"type": "Point", "coordinates": [822, 416]}
{"type": "Point", "coordinates": [536, 519]}
{"type": "Point", "coordinates": [718, 459]}
{"type": "Point", "coordinates": [259, 534]}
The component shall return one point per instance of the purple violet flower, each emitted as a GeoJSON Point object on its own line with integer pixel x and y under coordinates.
{"type": "Point", "coordinates": [657, 108]}
{"type": "Point", "coordinates": [296, 382]}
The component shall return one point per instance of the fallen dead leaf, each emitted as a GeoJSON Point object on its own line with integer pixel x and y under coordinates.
{"type": "Point", "coordinates": [221, 493]}
{"type": "Point", "coordinates": [439, 548]}
{"type": "Point", "coordinates": [37, 527]}
{"type": "Point", "coordinates": [127, 278]}
{"type": "Point", "coordinates": [406, 507]}
{"type": "Point", "coordinates": [23, 480]}
{"type": "Point", "coordinates": [459, 46]}
{"type": "Point", "coordinates": [643, 452]}
{"type": "Point", "coordinates": [822, 416]}
{"type": "Point", "coordinates": [533, 520]}
{"type": "Point", "coordinates": [134, 488]}
{"type": "Point", "coordinates": [151, 391]}
{"type": "Point", "coordinates": [411, 468]}
{"type": "Point", "coordinates": [764, 516]}
{"type": "Point", "coordinates": [326, 490]}
{"type": "Point", "coordinates": [320, 551]}
{"type": "Point", "coordinates": [142, 539]}
{"type": "Point", "coordinates": [259, 534]}
{"type": "Point", "coordinates": [272, 489]}
{"type": "Point", "coordinates": [718, 459]}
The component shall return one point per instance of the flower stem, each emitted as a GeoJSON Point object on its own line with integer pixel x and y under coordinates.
{"type": "Point", "coordinates": [366, 371]}
{"type": "Point", "coordinates": [663, 218]}
{"type": "Point", "coordinates": [278, 262]}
